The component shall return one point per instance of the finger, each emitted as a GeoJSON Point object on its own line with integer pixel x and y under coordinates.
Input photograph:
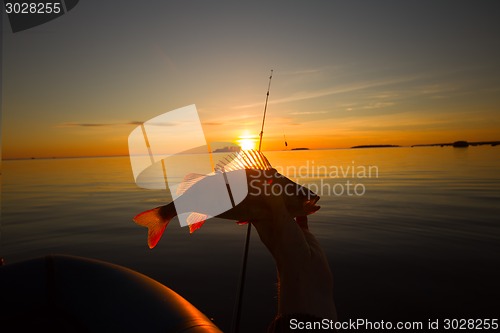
{"type": "Point", "coordinates": [302, 222]}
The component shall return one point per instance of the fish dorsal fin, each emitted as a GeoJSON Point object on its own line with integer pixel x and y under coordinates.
{"type": "Point", "coordinates": [244, 159]}
{"type": "Point", "coordinates": [188, 181]}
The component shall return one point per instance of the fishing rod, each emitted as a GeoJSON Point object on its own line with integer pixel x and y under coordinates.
{"type": "Point", "coordinates": [241, 286]}
{"type": "Point", "coordinates": [265, 109]}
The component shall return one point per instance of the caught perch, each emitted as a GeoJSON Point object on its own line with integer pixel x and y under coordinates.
{"type": "Point", "coordinates": [262, 180]}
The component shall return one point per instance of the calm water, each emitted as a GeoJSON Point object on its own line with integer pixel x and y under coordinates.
{"type": "Point", "coordinates": [419, 237]}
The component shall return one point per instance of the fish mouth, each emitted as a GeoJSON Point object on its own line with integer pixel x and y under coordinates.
{"type": "Point", "coordinates": [310, 205]}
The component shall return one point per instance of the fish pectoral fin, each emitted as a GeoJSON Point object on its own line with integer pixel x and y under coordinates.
{"type": "Point", "coordinates": [195, 221]}
{"type": "Point", "coordinates": [242, 222]}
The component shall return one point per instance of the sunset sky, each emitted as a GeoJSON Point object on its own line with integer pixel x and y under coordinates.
{"type": "Point", "coordinates": [345, 73]}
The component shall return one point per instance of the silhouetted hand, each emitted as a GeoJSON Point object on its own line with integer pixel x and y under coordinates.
{"type": "Point", "coordinates": [304, 277]}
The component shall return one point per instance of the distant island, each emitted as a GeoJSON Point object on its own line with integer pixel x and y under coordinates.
{"type": "Point", "coordinates": [376, 146]}
{"type": "Point", "coordinates": [302, 148]}
{"type": "Point", "coordinates": [228, 149]}
{"type": "Point", "coordinates": [461, 144]}
{"type": "Point", "coordinates": [456, 144]}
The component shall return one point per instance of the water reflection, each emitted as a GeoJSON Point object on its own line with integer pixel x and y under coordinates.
{"type": "Point", "coordinates": [426, 227]}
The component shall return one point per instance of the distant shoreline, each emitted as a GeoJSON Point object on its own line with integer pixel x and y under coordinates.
{"type": "Point", "coordinates": [461, 143]}
{"type": "Point", "coordinates": [375, 146]}
{"type": "Point", "coordinates": [450, 144]}
{"type": "Point", "coordinates": [478, 143]}
{"type": "Point", "coordinates": [58, 157]}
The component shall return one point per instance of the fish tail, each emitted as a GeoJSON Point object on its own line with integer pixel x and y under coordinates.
{"type": "Point", "coordinates": [156, 220]}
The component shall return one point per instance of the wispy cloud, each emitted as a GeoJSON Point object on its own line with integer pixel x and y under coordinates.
{"type": "Point", "coordinates": [309, 71]}
{"type": "Point", "coordinates": [74, 124]}
{"type": "Point", "coordinates": [232, 119]}
{"type": "Point", "coordinates": [307, 112]}
{"type": "Point", "coordinates": [377, 105]}
{"type": "Point", "coordinates": [335, 90]}
{"type": "Point", "coordinates": [375, 123]}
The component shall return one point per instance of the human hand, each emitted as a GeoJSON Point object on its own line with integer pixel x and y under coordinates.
{"type": "Point", "coordinates": [305, 279]}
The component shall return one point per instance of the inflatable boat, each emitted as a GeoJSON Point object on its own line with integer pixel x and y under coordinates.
{"type": "Point", "coordinates": [71, 294]}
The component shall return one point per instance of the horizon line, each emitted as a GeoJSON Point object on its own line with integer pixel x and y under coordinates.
{"type": "Point", "coordinates": [374, 146]}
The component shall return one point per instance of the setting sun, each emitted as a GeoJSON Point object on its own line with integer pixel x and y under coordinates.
{"type": "Point", "coordinates": [247, 141]}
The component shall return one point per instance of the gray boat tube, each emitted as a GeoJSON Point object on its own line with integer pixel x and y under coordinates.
{"type": "Point", "coordinates": [71, 294]}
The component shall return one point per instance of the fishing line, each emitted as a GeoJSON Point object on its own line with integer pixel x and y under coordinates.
{"type": "Point", "coordinates": [241, 286]}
